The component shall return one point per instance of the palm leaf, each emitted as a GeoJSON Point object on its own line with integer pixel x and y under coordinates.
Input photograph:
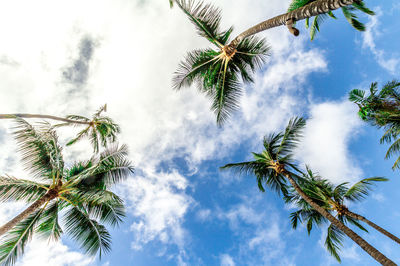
{"type": "Point", "coordinates": [49, 227]}
{"type": "Point", "coordinates": [352, 18]}
{"type": "Point", "coordinates": [333, 241]}
{"type": "Point", "coordinates": [205, 17]}
{"type": "Point", "coordinates": [361, 189]}
{"type": "Point", "coordinates": [14, 242]}
{"type": "Point", "coordinates": [92, 236]}
{"type": "Point", "coordinates": [15, 189]}
{"type": "Point", "coordinates": [41, 154]}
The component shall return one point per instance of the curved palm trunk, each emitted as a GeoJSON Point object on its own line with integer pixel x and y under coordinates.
{"type": "Point", "coordinates": [20, 217]}
{"type": "Point", "coordinates": [11, 116]}
{"type": "Point", "coordinates": [373, 252]}
{"type": "Point", "coordinates": [313, 9]}
{"type": "Point", "coordinates": [373, 225]}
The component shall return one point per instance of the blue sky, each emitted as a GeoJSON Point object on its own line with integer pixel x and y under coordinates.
{"type": "Point", "coordinates": [71, 57]}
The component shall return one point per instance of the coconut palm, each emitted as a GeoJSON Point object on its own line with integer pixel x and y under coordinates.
{"type": "Point", "coordinates": [219, 72]}
{"type": "Point", "coordinates": [348, 12]}
{"type": "Point", "coordinates": [80, 193]}
{"type": "Point", "coordinates": [382, 109]}
{"type": "Point", "coordinates": [332, 198]}
{"type": "Point", "coordinates": [275, 166]}
{"type": "Point", "coordinates": [101, 130]}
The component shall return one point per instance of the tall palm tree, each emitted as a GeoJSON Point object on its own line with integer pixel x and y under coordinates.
{"type": "Point", "coordinates": [348, 12]}
{"type": "Point", "coordinates": [332, 198]}
{"type": "Point", "coordinates": [80, 192]}
{"type": "Point", "coordinates": [382, 109]}
{"type": "Point", "coordinates": [219, 72]}
{"type": "Point", "coordinates": [275, 166]}
{"type": "Point", "coordinates": [100, 129]}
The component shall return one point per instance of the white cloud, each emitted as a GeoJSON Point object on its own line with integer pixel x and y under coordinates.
{"type": "Point", "coordinates": [371, 34]}
{"type": "Point", "coordinates": [40, 252]}
{"type": "Point", "coordinates": [158, 203]}
{"type": "Point", "coordinates": [227, 260]}
{"type": "Point", "coordinates": [328, 132]}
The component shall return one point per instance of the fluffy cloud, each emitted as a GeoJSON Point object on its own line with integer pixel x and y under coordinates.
{"type": "Point", "coordinates": [326, 139]}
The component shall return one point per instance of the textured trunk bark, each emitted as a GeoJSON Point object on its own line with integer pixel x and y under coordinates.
{"type": "Point", "coordinates": [11, 116]}
{"type": "Point", "coordinates": [37, 204]}
{"type": "Point", "coordinates": [315, 8]}
{"type": "Point", "coordinates": [373, 252]}
{"type": "Point", "coordinates": [373, 225]}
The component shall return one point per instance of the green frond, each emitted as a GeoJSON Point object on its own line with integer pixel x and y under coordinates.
{"type": "Point", "coordinates": [91, 236]}
{"type": "Point", "coordinates": [352, 221]}
{"type": "Point", "coordinates": [13, 189]}
{"type": "Point", "coordinates": [333, 241]}
{"type": "Point", "coordinates": [291, 136]}
{"type": "Point", "coordinates": [82, 134]}
{"type": "Point", "coordinates": [49, 227]}
{"type": "Point", "coordinates": [361, 6]}
{"type": "Point", "coordinates": [77, 118]}
{"type": "Point", "coordinates": [356, 96]}
{"type": "Point", "coordinates": [205, 17]}
{"type": "Point", "coordinates": [171, 3]}
{"type": "Point", "coordinates": [295, 218]}
{"type": "Point", "coordinates": [296, 4]}
{"type": "Point", "coordinates": [102, 205]}
{"type": "Point", "coordinates": [41, 154]}
{"type": "Point", "coordinates": [361, 189]}
{"type": "Point", "coordinates": [102, 108]}
{"type": "Point", "coordinates": [14, 242]}
{"type": "Point", "coordinates": [352, 19]}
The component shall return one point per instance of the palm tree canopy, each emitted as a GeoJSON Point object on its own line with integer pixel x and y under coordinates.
{"type": "Point", "coordinates": [348, 12]}
{"type": "Point", "coordinates": [218, 72]}
{"type": "Point", "coordinates": [275, 160]}
{"type": "Point", "coordinates": [382, 109]}
{"type": "Point", "coordinates": [81, 191]}
{"type": "Point", "coordinates": [101, 130]}
{"type": "Point", "coordinates": [331, 198]}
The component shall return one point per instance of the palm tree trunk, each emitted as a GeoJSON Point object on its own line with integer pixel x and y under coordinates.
{"type": "Point", "coordinates": [11, 116]}
{"type": "Point", "coordinates": [373, 252]}
{"type": "Point", "coordinates": [313, 9]}
{"type": "Point", "coordinates": [36, 205]}
{"type": "Point", "coordinates": [373, 225]}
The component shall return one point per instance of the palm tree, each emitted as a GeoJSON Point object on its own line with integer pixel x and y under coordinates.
{"type": "Point", "coordinates": [275, 166]}
{"type": "Point", "coordinates": [219, 72]}
{"type": "Point", "coordinates": [100, 129]}
{"type": "Point", "coordinates": [332, 199]}
{"type": "Point", "coordinates": [80, 192]}
{"type": "Point", "coordinates": [348, 12]}
{"type": "Point", "coordinates": [382, 109]}
{"type": "Point", "coordinates": [216, 71]}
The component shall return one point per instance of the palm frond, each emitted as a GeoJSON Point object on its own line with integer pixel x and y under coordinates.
{"type": "Point", "coordinates": [92, 236]}
{"type": "Point", "coordinates": [49, 227]}
{"type": "Point", "coordinates": [82, 134]}
{"type": "Point", "coordinates": [361, 189]}
{"type": "Point", "coordinates": [352, 18]}
{"type": "Point", "coordinates": [101, 205]}
{"type": "Point", "coordinates": [41, 154]}
{"type": "Point", "coordinates": [290, 138]}
{"type": "Point", "coordinates": [14, 242]}
{"type": "Point", "coordinates": [205, 17]}
{"type": "Point", "coordinates": [333, 241]}
{"type": "Point", "coordinates": [13, 189]}
{"type": "Point", "coordinates": [356, 96]}
{"type": "Point", "coordinates": [352, 221]}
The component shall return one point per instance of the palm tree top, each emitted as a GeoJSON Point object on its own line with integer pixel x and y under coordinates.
{"type": "Point", "coordinates": [276, 159]}
{"type": "Point", "coordinates": [332, 198]}
{"type": "Point", "coordinates": [81, 192]}
{"type": "Point", "coordinates": [218, 72]}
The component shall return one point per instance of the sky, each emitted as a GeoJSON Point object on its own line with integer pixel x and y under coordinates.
{"type": "Point", "coordinates": [71, 57]}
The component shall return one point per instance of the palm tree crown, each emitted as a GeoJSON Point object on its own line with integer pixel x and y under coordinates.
{"type": "Point", "coordinates": [348, 12]}
{"type": "Point", "coordinates": [81, 191]}
{"type": "Point", "coordinates": [218, 71]}
{"type": "Point", "coordinates": [382, 109]}
{"type": "Point", "coordinates": [276, 160]}
{"type": "Point", "coordinates": [101, 130]}
{"type": "Point", "coordinates": [331, 198]}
